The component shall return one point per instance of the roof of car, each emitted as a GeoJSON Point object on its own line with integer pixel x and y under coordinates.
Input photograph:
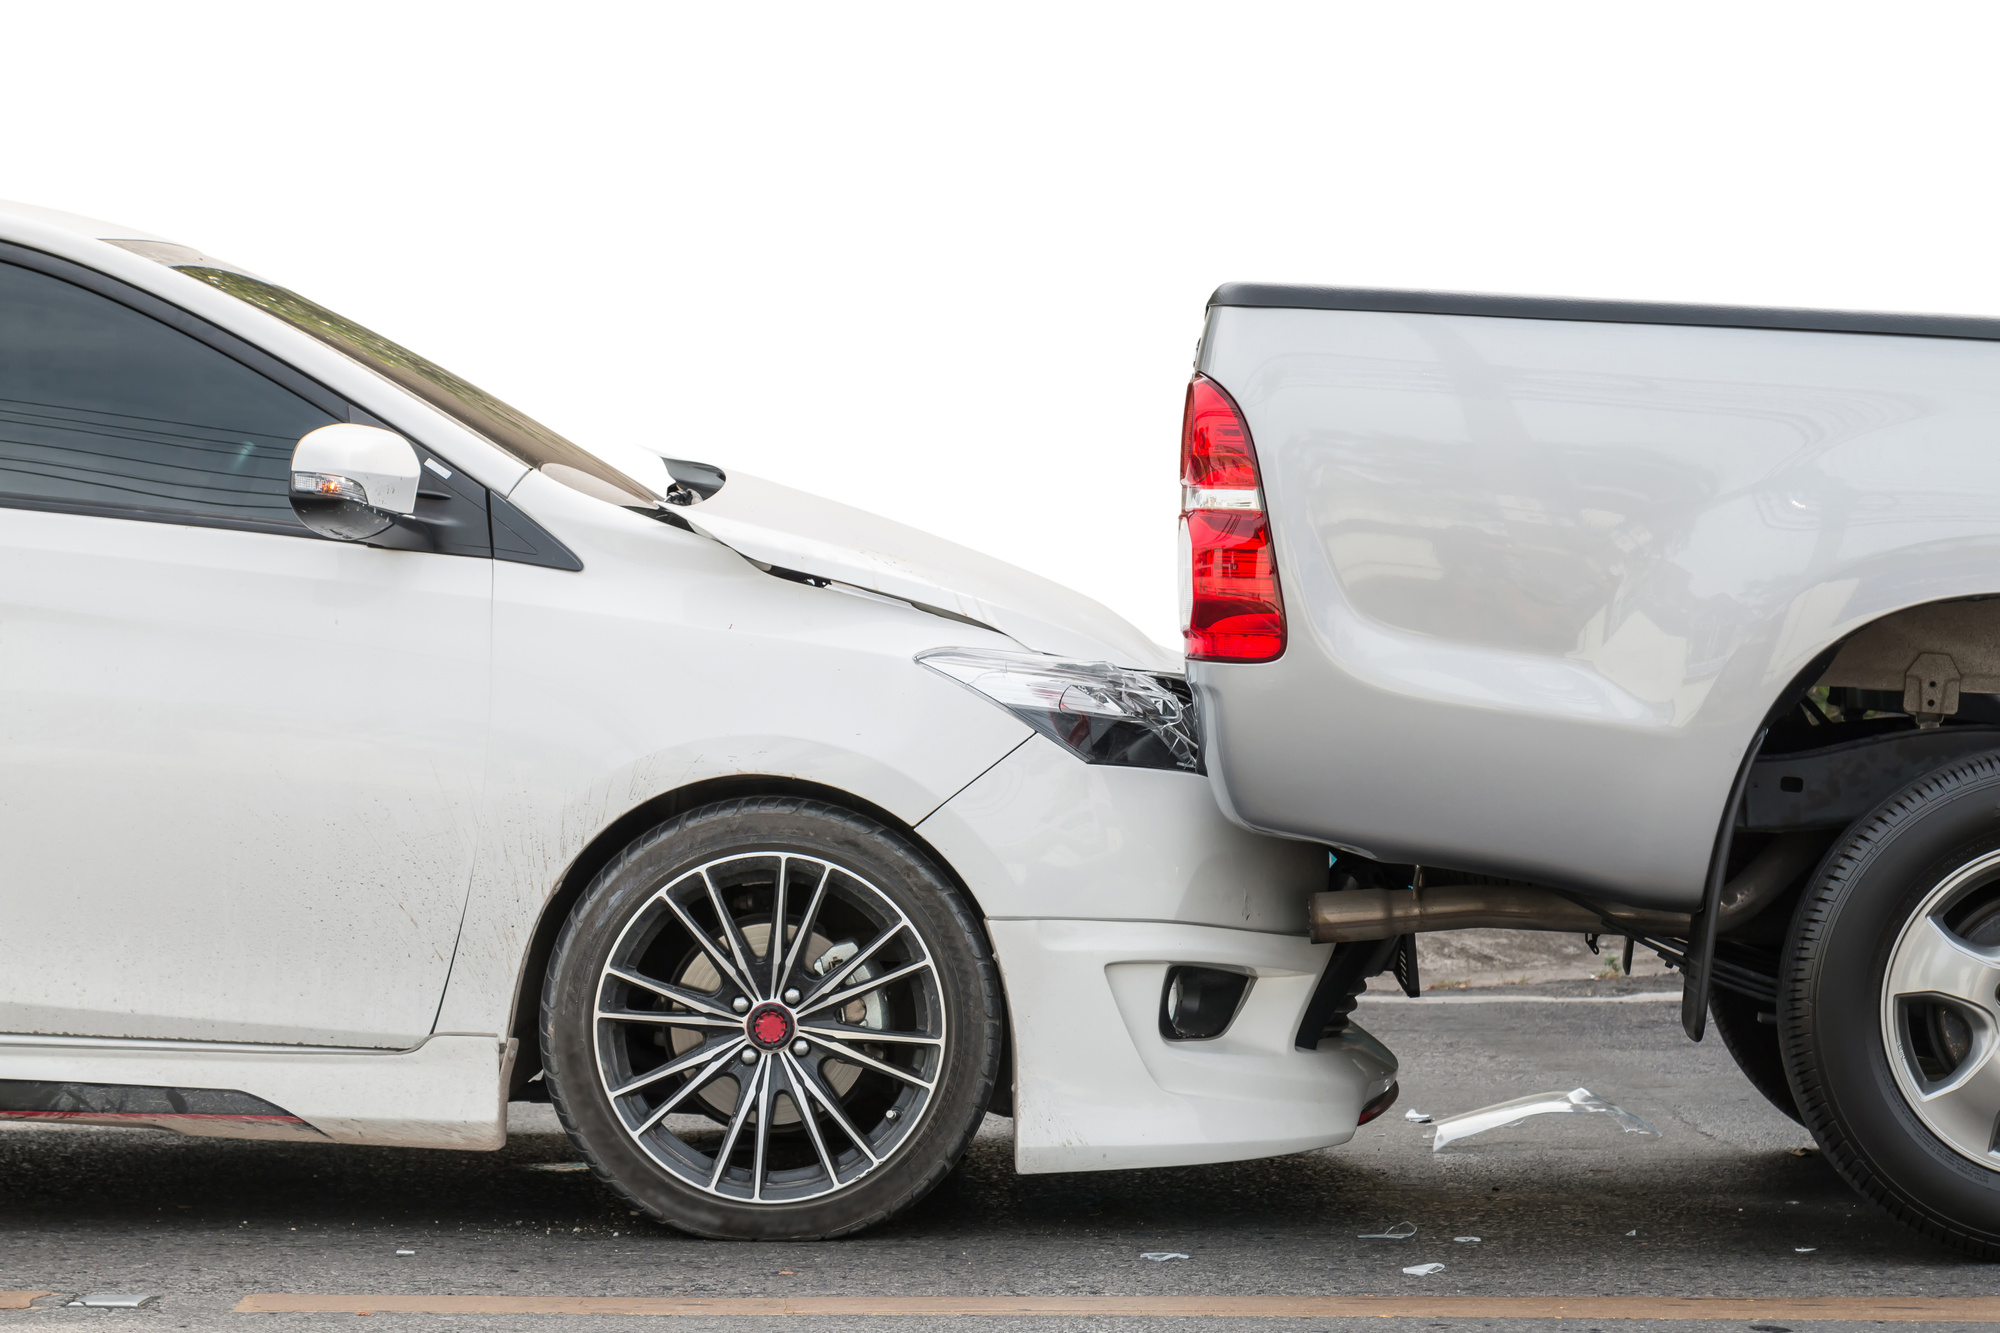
{"type": "Point", "coordinates": [95, 228]}
{"type": "Point", "coordinates": [1282, 297]}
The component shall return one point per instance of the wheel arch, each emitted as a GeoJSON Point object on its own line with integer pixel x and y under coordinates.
{"type": "Point", "coordinates": [1811, 782]}
{"type": "Point", "coordinates": [523, 1021]}
{"type": "Point", "coordinates": [1959, 636]}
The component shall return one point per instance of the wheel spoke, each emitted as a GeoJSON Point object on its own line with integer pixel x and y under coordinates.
{"type": "Point", "coordinates": [854, 992]}
{"type": "Point", "coordinates": [766, 1101]}
{"type": "Point", "coordinates": [692, 1086]}
{"type": "Point", "coordinates": [826, 1097]}
{"type": "Point", "coordinates": [1933, 961]}
{"type": "Point", "coordinates": [671, 1019]}
{"type": "Point", "coordinates": [688, 999]}
{"type": "Point", "coordinates": [860, 959]}
{"type": "Point", "coordinates": [738, 946]}
{"type": "Point", "coordinates": [1967, 1108]}
{"type": "Point", "coordinates": [746, 1097]}
{"type": "Point", "coordinates": [842, 1051]}
{"type": "Point", "coordinates": [708, 946]}
{"type": "Point", "coordinates": [774, 945]}
{"type": "Point", "coordinates": [806, 924]}
{"type": "Point", "coordinates": [676, 1065]}
{"type": "Point", "coordinates": [847, 1032]}
{"type": "Point", "coordinates": [794, 1086]}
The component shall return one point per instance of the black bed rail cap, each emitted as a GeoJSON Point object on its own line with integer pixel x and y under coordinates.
{"type": "Point", "coordinates": [1275, 296]}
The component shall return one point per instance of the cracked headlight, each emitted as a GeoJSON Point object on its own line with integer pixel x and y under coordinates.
{"type": "Point", "coordinates": [1101, 713]}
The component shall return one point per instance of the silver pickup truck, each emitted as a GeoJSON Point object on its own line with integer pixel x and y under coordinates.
{"type": "Point", "coordinates": [1675, 623]}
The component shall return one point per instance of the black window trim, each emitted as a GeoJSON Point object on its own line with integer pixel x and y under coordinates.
{"type": "Point", "coordinates": [185, 518]}
{"type": "Point", "coordinates": [1276, 296]}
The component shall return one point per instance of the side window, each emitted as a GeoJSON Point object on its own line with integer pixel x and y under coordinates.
{"type": "Point", "coordinates": [108, 410]}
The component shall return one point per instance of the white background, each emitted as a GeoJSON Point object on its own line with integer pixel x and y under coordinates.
{"type": "Point", "coordinates": [948, 262]}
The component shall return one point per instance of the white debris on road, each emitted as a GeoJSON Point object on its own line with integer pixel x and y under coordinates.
{"type": "Point", "coordinates": [1401, 1231]}
{"type": "Point", "coordinates": [111, 1300]}
{"type": "Point", "coordinates": [1506, 1114]}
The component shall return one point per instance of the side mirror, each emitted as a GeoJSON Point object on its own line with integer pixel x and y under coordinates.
{"type": "Point", "coordinates": [351, 482]}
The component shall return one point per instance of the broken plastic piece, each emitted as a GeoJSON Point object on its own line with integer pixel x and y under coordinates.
{"type": "Point", "coordinates": [1466, 1240]}
{"type": "Point", "coordinates": [1401, 1231]}
{"type": "Point", "coordinates": [1631, 1233]}
{"type": "Point", "coordinates": [405, 1254]}
{"type": "Point", "coordinates": [1161, 1256]}
{"type": "Point", "coordinates": [111, 1300]}
{"type": "Point", "coordinates": [1454, 1128]}
{"type": "Point", "coordinates": [1804, 1249]}
{"type": "Point", "coordinates": [1416, 1117]}
{"type": "Point", "coordinates": [558, 1166]}
{"type": "Point", "coordinates": [1424, 1270]}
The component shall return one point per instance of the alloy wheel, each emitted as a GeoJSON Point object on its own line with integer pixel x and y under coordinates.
{"type": "Point", "coordinates": [1941, 1010]}
{"type": "Point", "coordinates": [769, 1027]}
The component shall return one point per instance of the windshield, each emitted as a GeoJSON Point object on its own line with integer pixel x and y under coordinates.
{"type": "Point", "coordinates": [520, 435]}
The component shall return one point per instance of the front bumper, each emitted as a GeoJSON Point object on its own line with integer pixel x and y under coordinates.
{"type": "Point", "coordinates": [1094, 881]}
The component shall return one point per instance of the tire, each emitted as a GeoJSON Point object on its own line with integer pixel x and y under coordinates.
{"type": "Point", "coordinates": [1754, 1046]}
{"type": "Point", "coordinates": [705, 1096]}
{"type": "Point", "coordinates": [1888, 1013]}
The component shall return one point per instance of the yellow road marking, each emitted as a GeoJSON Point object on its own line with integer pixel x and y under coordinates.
{"type": "Point", "coordinates": [21, 1300]}
{"type": "Point", "coordinates": [1962, 1309]}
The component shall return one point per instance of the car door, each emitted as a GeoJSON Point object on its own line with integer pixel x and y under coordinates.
{"type": "Point", "coordinates": [240, 765]}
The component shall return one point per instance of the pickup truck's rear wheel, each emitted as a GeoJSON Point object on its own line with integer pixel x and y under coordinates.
{"type": "Point", "coordinates": [1889, 1006]}
{"type": "Point", "coordinates": [771, 1019]}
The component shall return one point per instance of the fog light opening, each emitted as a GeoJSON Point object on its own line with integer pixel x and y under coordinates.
{"type": "Point", "coordinates": [1199, 1003]}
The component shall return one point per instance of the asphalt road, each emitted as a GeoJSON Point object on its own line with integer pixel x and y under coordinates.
{"type": "Point", "coordinates": [1722, 1205]}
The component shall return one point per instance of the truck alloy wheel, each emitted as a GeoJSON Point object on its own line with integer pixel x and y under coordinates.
{"type": "Point", "coordinates": [1940, 999]}
{"type": "Point", "coordinates": [756, 1031]}
{"type": "Point", "coordinates": [1889, 1006]}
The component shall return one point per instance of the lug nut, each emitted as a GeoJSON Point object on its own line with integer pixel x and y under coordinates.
{"type": "Point", "coordinates": [792, 995]}
{"type": "Point", "coordinates": [749, 1057]}
{"type": "Point", "coordinates": [740, 1005]}
{"type": "Point", "coordinates": [801, 1047]}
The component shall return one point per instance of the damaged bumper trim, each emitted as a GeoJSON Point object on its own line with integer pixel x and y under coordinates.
{"type": "Point", "coordinates": [197, 1111]}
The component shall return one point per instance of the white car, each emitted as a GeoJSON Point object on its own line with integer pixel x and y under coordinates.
{"type": "Point", "coordinates": [372, 756]}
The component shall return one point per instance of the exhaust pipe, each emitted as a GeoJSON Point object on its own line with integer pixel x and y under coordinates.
{"type": "Point", "coordinates": [1378, 914]}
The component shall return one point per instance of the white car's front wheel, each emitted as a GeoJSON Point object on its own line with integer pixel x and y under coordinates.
{"type": "Point", "coordinates": [771, 1018]}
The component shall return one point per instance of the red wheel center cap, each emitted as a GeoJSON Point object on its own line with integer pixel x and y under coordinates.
{"type": "Point", "coordinates": [769, 1026]}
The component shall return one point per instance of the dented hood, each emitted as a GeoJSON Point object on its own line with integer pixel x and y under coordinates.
{"type": "Point", "coordinates": [776, 525]}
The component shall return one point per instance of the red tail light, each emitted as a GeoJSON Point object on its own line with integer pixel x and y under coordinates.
{"type": "Point", "coordinates": [1231, 607]}
{"type": "Point", "coordinates": [1215, 444]}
